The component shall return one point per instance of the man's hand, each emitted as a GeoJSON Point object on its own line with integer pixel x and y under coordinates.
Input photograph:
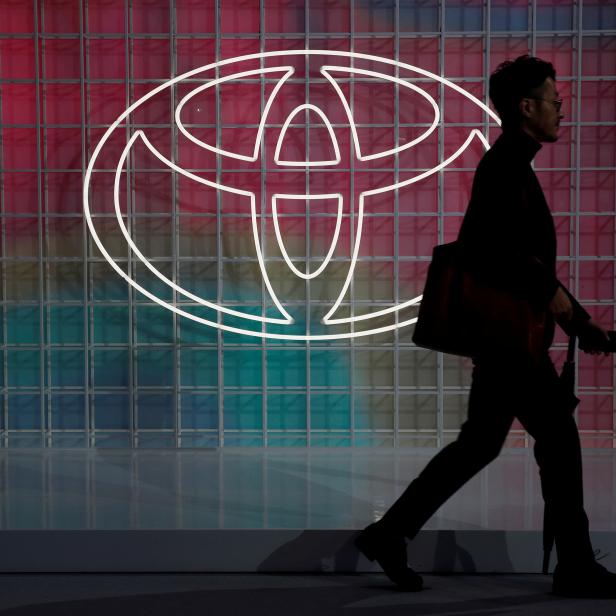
{"type": "Point", "coordinates": [561, 306]}
{"type": "Point", "coordinates": [593, 338]}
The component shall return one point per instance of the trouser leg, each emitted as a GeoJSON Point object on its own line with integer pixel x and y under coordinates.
{"type": "Point", "coordinates": [479, 442]}
{"type": "Point", "coordinates": [559, 457]}
{"type": "Point", "coordinates": [560, 467]}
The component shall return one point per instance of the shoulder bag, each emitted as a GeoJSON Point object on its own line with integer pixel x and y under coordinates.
{"type": "Point", "coordinates": [462, 316]}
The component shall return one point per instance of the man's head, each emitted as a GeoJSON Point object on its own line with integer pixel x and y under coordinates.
{"type": "Point", "coordinates": [524, 94]}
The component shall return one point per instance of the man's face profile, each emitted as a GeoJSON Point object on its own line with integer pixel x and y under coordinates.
{"type": "Point", "coordinates": [541, 114]}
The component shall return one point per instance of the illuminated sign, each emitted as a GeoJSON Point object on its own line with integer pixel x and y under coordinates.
{"type": "Point", "coordinates": [352, 66]}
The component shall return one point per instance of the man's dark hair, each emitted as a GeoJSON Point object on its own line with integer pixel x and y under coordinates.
{"type": "Point", "coordinates": [515, 79]}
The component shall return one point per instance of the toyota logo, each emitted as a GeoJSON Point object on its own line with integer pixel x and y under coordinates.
{"type": "Point", "coordinates": [273, 146]}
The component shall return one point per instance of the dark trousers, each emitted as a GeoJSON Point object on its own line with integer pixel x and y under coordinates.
{"type": "Point", "coordinates": [501, 391]}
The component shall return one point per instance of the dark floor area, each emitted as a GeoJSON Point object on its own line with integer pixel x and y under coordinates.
{"type": "Point", "coordinates": [283, 595]}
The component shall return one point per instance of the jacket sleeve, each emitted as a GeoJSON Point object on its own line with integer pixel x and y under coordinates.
{"type": "Point", "coordinates": [495, 237]}
{"type": "Point", "coordinates": [580, 316]}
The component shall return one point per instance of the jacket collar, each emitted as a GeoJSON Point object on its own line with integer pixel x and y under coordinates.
{"type": "Point", "coordinates": [520, 144]}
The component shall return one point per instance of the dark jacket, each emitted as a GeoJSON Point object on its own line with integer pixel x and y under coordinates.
{"type": "Point", "coordinates": [508, 234]}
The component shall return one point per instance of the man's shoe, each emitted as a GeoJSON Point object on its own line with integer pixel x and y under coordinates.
{"type": "Point", "coordinates": [389, 550]}
{"type": "Point", "coordinates": [593, 581]}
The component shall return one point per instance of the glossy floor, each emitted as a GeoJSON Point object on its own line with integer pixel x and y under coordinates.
{"type": "Point", "coordinates": [270, 489]}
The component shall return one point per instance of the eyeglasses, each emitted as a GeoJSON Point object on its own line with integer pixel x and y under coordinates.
{"type": "Point", "coordinates": [557, 102]}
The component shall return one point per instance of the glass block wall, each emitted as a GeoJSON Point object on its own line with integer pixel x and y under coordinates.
{"type": "Point", "coordinates": [91, 361]}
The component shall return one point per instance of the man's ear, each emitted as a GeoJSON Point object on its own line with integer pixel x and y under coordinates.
{"type": "Point", "coordinates": [525, 107]}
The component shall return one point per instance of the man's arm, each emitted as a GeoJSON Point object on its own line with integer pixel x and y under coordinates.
{"type": "Point", "coordinates": [574, 320]}
{"type": "Point", "coordinates": [567, 311]}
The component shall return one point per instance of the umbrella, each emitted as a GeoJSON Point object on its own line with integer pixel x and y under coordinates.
{"type": "Point", "coordinates": [567, 377]}
{"type": "Point", "coordinates": [570, 402]}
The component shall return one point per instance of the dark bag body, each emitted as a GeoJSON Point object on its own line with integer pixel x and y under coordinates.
{"type": "Point", "coordinates": [462, 316]}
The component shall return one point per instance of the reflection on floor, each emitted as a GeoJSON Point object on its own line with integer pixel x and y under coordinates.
{"type": "Point", "coordinates": [273, 506]}
{"type": "Point", "coordinates": [271, 488]}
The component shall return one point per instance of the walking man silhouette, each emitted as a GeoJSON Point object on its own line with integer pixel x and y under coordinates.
{"type": "Point", "coordinates": [508, 235]}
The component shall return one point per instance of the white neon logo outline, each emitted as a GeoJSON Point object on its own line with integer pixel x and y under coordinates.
{"type": "Point", "coordinates": [333, 243]}
{"type": "Point", "coordinates": [360, 218]}
{"type": "Point", "coordinates": [116, 198]}
{"type": "Point", "coordinates": [311, 163]}
{"type": "Point", "coordinates": [215, 82]}
{"type": "Point", "coordinates": [188, 74]}
{"type": "Point", "coordinates": [325, 70]}
{"type": "Point", "coordinates": [139, 134]}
